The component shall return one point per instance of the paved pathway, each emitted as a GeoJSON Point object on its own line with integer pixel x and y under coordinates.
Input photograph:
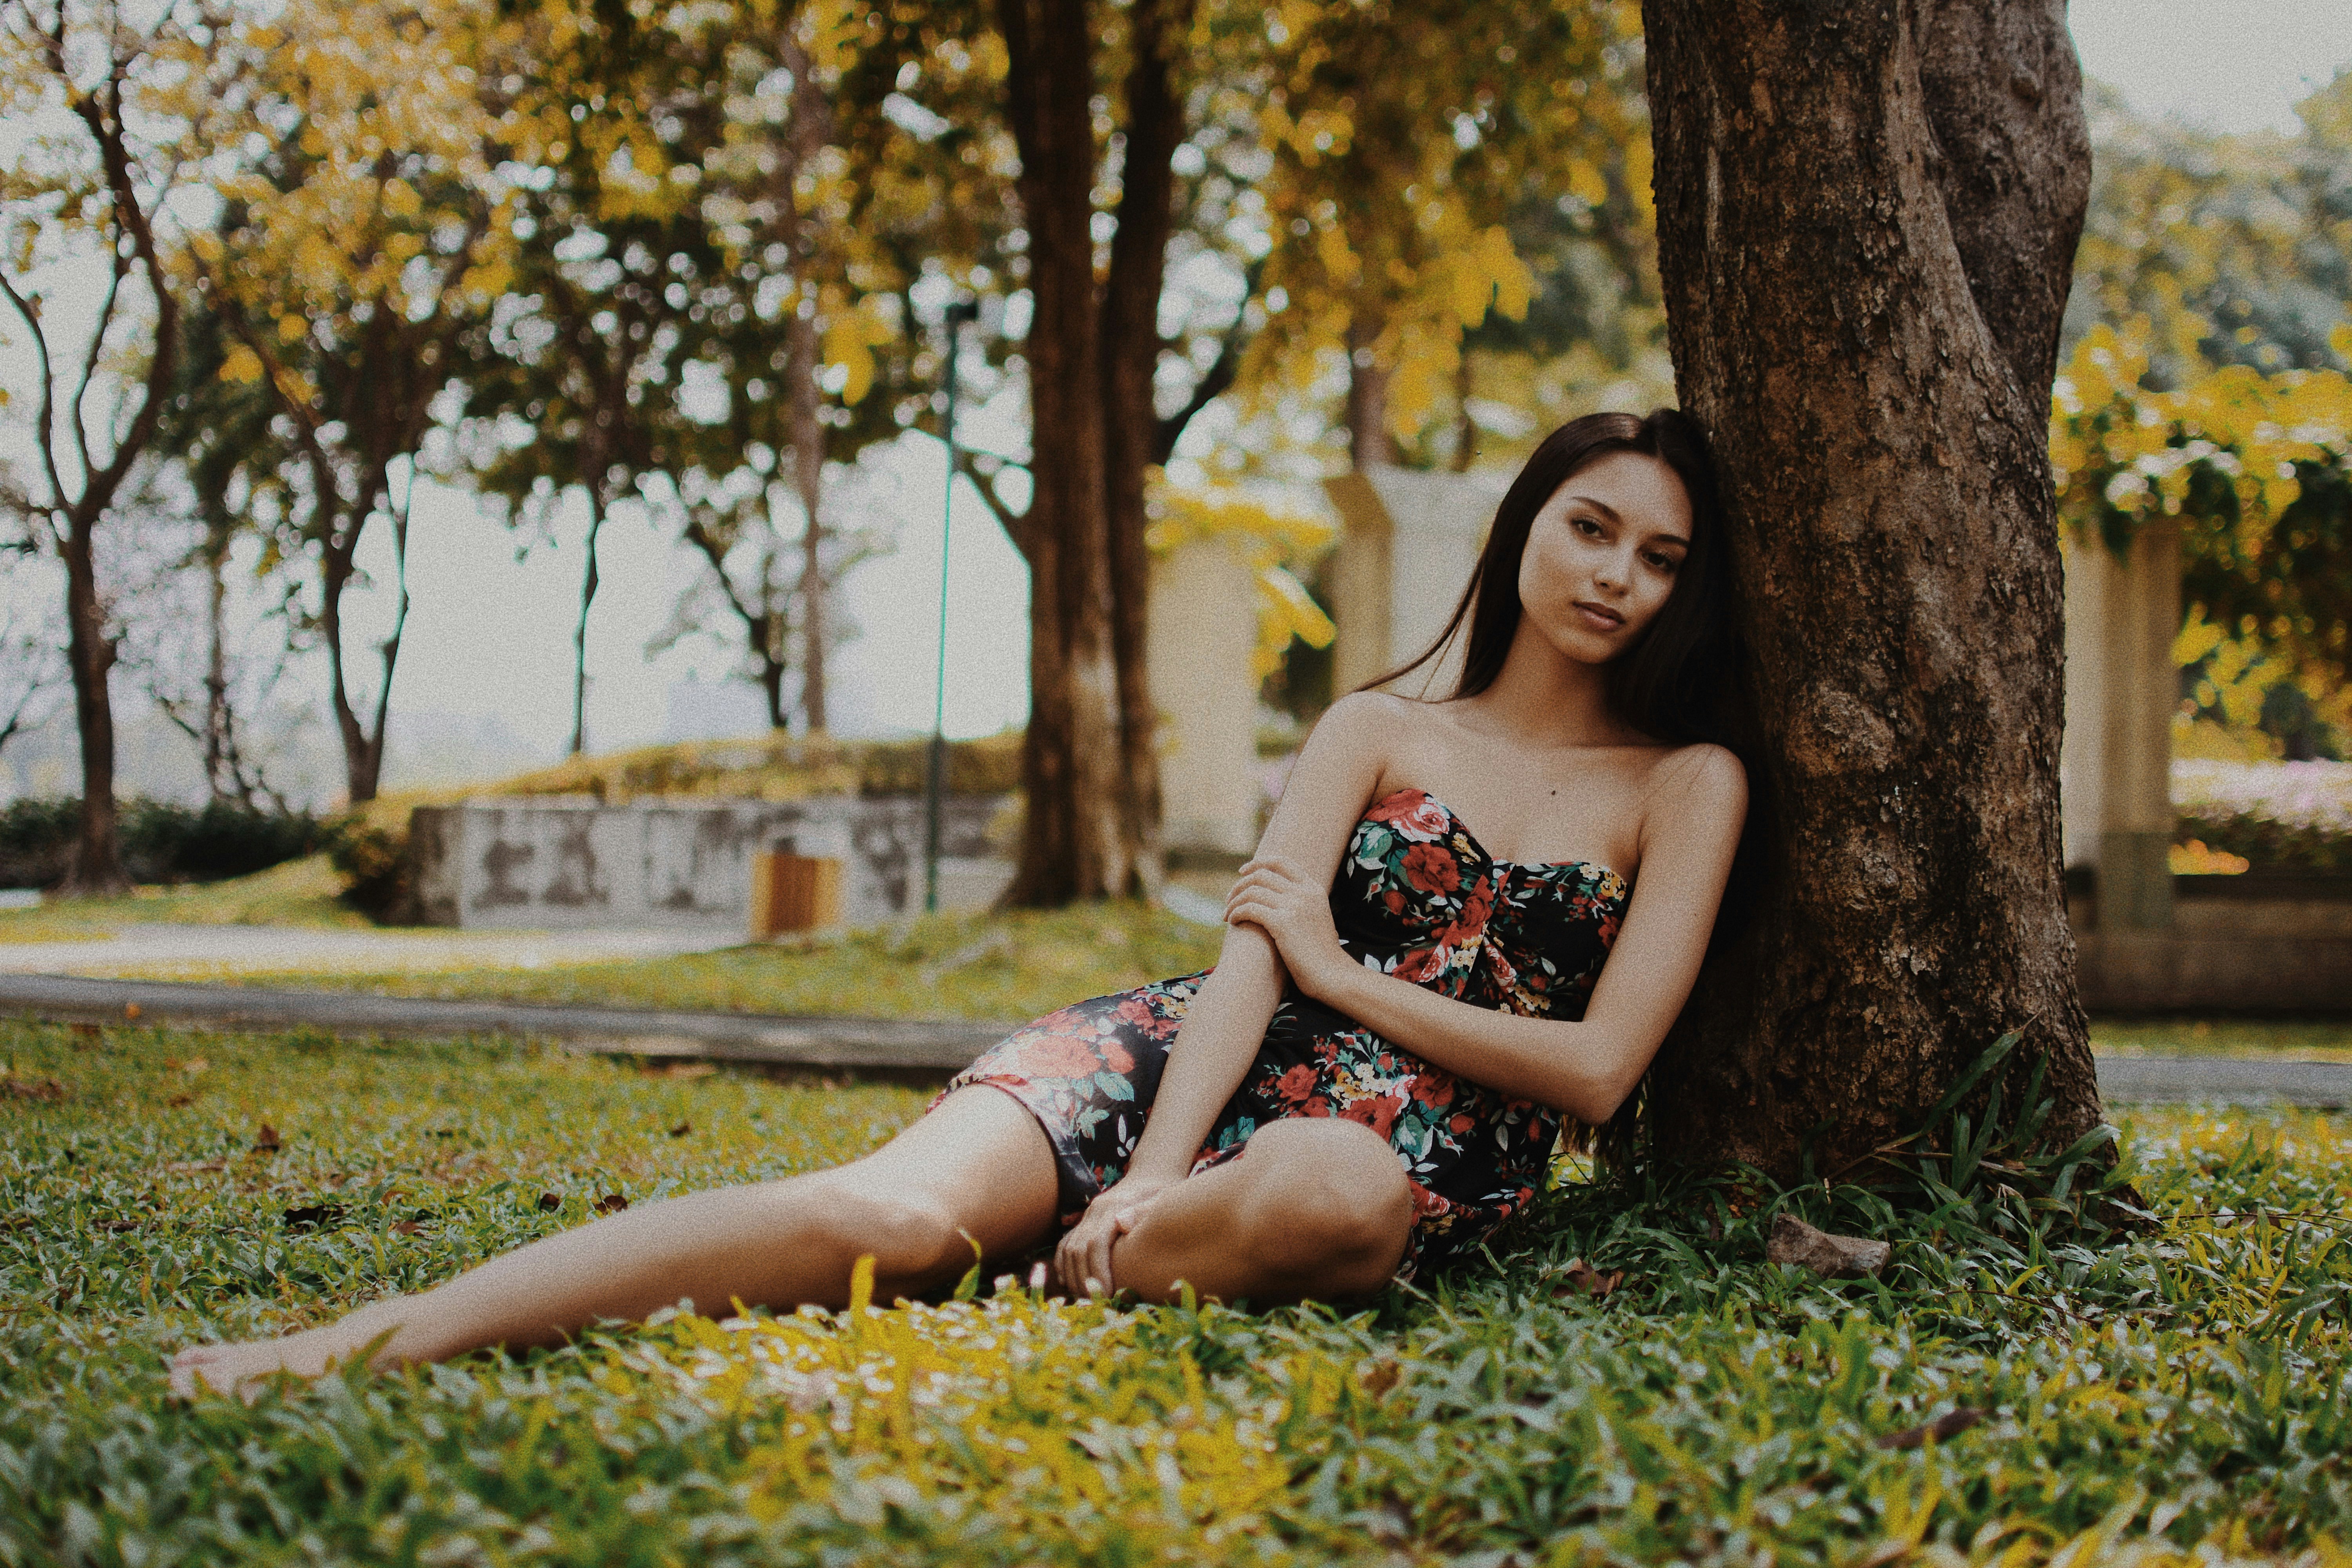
{"type": "Point", "coordinates": [930, 1049]}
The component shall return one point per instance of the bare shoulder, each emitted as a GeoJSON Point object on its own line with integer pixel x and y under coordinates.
{"type": "Point", "coordinates": [1705, 778]}
{"type": "Point", "coordinates": [1363, 713]}
{"type": "Point", "coordinates": [1370, 721]}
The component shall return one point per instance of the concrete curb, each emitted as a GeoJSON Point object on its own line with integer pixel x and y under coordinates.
{"type": "Point", "coordinates": [882, 1046]}
{"type": "Point", "coordinates": [836, 1043]}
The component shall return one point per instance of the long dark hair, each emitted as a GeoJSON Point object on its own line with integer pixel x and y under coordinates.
{"type": "Point", "coordinates": [1679, 682]}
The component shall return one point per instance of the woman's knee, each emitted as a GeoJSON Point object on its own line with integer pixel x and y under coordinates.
{"type": "Point", "coordinates": [1335, 1200]}
{"type": "Point", "coordinates": [913, 1236]}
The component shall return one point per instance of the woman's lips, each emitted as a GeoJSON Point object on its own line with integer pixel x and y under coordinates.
{"type": "Point", "coordinates": [1601, 618]}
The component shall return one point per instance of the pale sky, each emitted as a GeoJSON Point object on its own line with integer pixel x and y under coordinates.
{"type": "Point", "coordinates": [488, 646]}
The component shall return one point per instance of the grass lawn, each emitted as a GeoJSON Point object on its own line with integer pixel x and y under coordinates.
{"type": "Point", "coordinates": [305, 892]}
{"type": "Point", "coordinates": [1010, 967]}
{"type": "Point", "coordinates": [2185, 1389]}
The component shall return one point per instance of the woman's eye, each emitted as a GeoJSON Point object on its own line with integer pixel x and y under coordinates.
{"type": "Point", "coordinates": [1663, 562]}
{"type": "Point", "coordinates": [1585, 526]}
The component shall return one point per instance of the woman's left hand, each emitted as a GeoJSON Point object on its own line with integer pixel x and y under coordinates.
{"type": "Point", "coordinates": [1273, 896]}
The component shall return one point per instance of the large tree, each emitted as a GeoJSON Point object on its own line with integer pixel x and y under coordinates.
{"type": "Point", "coordinates": [99, 194]}
{"type": "Point", "coordinates": [1867, 217]}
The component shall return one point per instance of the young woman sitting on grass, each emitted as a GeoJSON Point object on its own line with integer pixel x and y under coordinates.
{"type": "Point", "coordinates": [1410, 999]}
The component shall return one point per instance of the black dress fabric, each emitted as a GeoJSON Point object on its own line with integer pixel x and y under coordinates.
{"type": "Point", "coordinates": [1415, 897]}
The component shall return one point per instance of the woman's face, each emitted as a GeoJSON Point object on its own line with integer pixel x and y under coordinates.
{"type": "Point", "coordinates": [1602, 553]}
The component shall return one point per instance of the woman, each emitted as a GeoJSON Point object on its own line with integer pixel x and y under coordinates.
{"type": "Point", "coordinates": [1410, 998]}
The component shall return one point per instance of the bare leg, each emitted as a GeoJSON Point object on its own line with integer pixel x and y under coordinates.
{"type": "Point", "coordinates": [1316, 1209]}
{"type": "Point", "coordinates": [979, 1167]}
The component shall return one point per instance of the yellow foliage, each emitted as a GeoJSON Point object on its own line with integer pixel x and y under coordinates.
{"type": "Point", "coordinates": [849, 341]}
{"type": "Point", "coordinates": [1272, 541]}
{"type": "Point", "coordinates": [241, 366]}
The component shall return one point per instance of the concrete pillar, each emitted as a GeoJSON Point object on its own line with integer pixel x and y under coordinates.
{"type": "Point", "coordinates": [2122, 688]}
{"type": "Point", "coordinates": [1408, 541]}
{"type": "Point", "coordinates": [1203, 641]}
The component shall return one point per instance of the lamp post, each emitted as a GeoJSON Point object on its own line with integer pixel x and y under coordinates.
{"type": "Point", "coordinates": [936, 783]}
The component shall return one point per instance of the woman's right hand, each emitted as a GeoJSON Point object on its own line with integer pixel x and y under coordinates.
{"type": "Point", "coordinates": [1081, 1263]}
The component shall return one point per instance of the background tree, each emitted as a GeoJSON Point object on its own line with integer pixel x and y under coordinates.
{"type": "Point", "coordinates": [1404, 139]}
{"type": "Point", "coordinates": [2236, 249]}
{"type": "Point", "coordinates": [98, 189]}
{"type": "Point", "coordinates": [568, 382]}
{"type": "Point", "coordinates": [1865, 225]}
{"type": "Point", "coordinates": [354, 252]}
{"type": "Point", "coordinates": [2258, 469]}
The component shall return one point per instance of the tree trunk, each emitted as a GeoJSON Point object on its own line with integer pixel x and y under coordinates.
{"type": "Point", "coordinates": [588, 584]}
{"type": "Point", "coordinates": [1130, 359]}
{"type": "Point", "coordinates": [1368, 441]}
{"type": "Point", "coordinates": [808, 479]}
{"type": "Point", "coordinates": [812, 129]}
{"type": "Point", "coordinates": [1866, 219]}
{"type": "Point", "coordinates": [96, 868]}
{"type": "Point", "coordinates": [220, 782]}
{"type": "Point", "coordinates": [1075, 838]}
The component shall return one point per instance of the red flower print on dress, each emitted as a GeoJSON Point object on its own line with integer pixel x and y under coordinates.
{"type": "Point", "coordinates": [1431, 869]}
{"type": "Point", "coordinates": [1420, 964]}
{"type": "Point", "coordinates": [1476, 910]}
{"type": "Point", "coordinates": [1297, 1083]}
{"type": "Point", "coordinates": [1059, 1056]}
{"type": "Point", "coordinates": [1378, 1113]}
{"type": "Point", "coordinates": [1394, 901]}
{"type": "Point", "coordinates": [1115, 1058]}
{"type": "Point", "coordinates": [1412, 814]}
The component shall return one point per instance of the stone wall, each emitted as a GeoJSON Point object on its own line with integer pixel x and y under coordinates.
{"type": "Point", "coordinates": [565, 864]}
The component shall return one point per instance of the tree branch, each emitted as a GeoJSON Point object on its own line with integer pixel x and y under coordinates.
{"type": "Point", "coordinates": [47, 420]}
{"type": "Point", "coordinates": [1015, 524]}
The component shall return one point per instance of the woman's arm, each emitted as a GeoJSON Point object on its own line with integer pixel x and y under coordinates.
{"type": "Point", "coordinates": [1587, 1068]}
{"type": "Point", "coordinates": [1225, 1025]}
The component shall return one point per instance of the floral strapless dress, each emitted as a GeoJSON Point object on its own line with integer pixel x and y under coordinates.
{"type": "Point", "coordinates": [1415, 897]}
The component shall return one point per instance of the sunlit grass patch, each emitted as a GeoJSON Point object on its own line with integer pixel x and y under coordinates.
{"type": "Point", "coordinates": [2307, 1039]}
{"type": "Point", "coordinates": [305, 892]}
{"type": "Point", "coordinates": [2018, 1400]}
{"type": "Point", "coordinates": [1009, 966]}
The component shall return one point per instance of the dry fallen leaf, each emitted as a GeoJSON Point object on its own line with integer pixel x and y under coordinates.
{"type": "Point", "coordinates": [1581, 1278]}
{"type": "Point", "coordinates": [1949, 1424]}
{"type": "Point", "coordinates": [611, 1202]}
{"type": "Point", "coordinates": [681, 1130]}
{"type": "Point", "coordinates": [407, 1227]}
{"type": "Point", "coordinates": [130, 1011]}
{"type": "Point", "coordinates": [266, 1140]}
{"type": "Point", "coordinates": [1382, 1377]}
{"type": "Point", "coordinates": [1831, 1256]}
{"type": "Point", "coordinates": [45, 1090]}
{"type": "Point", "coordinates": [549, 1203]}
{"type": "Point", "coordinates": [178, 1100]}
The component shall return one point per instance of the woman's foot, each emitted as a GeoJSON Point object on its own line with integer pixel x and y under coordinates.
{"type": "Point", "coordinates": [246, 1368]}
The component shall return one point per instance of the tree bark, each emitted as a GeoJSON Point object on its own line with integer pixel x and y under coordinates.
{"type": "Point", "coordinates": [1131, 359]}
{"type": "Point", "coordinates": [1076, 840]}
{"type": "Point", "coordinates": [808, 479]}
{"type": "Point", "coordinates": [1866, 219]}
{"type": "Point", "coordinates": [1368, 441]}
{"type": "Point", "coordinates": [589, 582]}
{"type": "Point", "coordinates": [812, 129]}
{"type": "Point", "coordinates": [96, 870]}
